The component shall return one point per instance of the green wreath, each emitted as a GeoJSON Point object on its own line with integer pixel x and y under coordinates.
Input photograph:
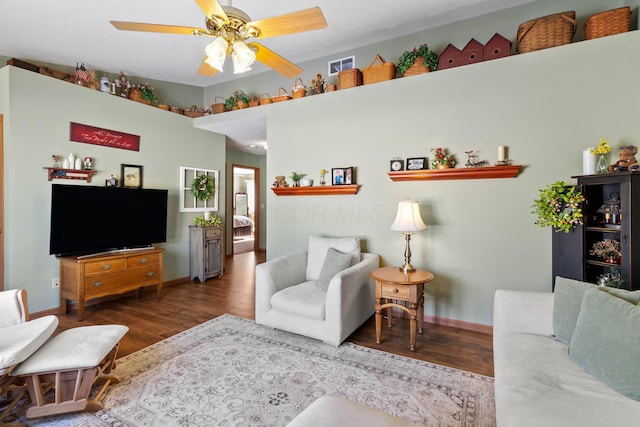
{"type": "Point", "coordinates": [559, 206]}
{"type": "Point", "coordinates": [203, 187]}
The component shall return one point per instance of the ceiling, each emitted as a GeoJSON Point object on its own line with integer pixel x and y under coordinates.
{"type": "Point", "coordinates": [71, 31]}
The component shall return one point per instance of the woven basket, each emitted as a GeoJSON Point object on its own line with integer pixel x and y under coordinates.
{"type": "Point", "coordinates": [299, 90]}
{"type": "Point", "coordinates": [218, 107]}
{"type": "Point", "coordinates": [254, 101]}
{"type": "Point", "coordinates": [193, 112]}
{"type": "Point", "coordinates": [418, 67]}
{"type": "Point", "coordinates": [379, 71]}
{"type": "Point", "coordinates": [547, 31]}
{"type": "Point", "coordinates": [349, 78]}
{"type": "Point", "coordinates": [266, 99]}
{"type": "Point", "coordinates": [282, 95]}
{"type": "Point", "coordinates": [607, 23]}
{"type": "Point", "coordinates": [176, 110]}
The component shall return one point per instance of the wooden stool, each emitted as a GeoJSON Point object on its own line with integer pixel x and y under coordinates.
{"type": "Point", "coordinates": [71, 363]}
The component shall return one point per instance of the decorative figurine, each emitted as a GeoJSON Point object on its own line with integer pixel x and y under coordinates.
{"type": "Point", "coordinates": [56, 160]}
{"type": "Point", "coordinates": [88, 161]}
{"type": "Point", "coordinates": [472, 160]}
{"type": "Point", "coordinates": [280, 182]}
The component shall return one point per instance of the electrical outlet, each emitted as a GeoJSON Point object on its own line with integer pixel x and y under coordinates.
{"type": "Point", "coordinates": [55, 283]}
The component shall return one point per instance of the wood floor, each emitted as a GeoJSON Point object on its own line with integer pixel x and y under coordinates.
{"type": "Point", "coordinates": [185, 305]}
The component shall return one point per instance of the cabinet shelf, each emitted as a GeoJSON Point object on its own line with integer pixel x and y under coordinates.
{"type": "Point", "coordinates": [317, 190]}
{"type": "Point", "coordinates": [604, 229]}
{"type": "Point", "coordinates": [603, 264]}
{"type": "Point", "coordinates": [61, 173]}
{"type": "Point", "coordinates": [486, 172]}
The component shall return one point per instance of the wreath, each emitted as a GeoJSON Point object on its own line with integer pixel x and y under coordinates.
{"type": "Point", "coordinates": [203, 187]}
{"type": "Point", "coordinates": [559, 206]}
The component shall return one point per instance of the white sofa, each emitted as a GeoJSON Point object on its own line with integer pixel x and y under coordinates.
{"type": "Point", "coordinates": [537, 383]}
{"type": "Point", "coordinates": [288, 296]}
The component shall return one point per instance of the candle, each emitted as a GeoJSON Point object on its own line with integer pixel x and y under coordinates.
{"type": "Point", "coordinates": [588, 162]}
{"type": "Point", "coordinates": [502, 153]}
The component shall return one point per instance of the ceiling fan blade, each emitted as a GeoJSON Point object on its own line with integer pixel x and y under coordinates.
{"type": "Point", "coordinates": [206, 69]}
{"type": "Point", "coordinates": [212, 8]}
{"type": "Point", "coordinates": [156, 28]}
{"type": "Point", "coordinates": [275, 61]}
{"type": "Point", "coordinates": [295, 22]}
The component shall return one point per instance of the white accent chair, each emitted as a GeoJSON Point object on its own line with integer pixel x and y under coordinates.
{"type": "Point", "coordinates": [19, 339]}
{"type": "Point", "coordinates": [289, 298]}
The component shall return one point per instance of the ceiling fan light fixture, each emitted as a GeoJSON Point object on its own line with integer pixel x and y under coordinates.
{"type": "Point", "coordinates": [242, 57]}
{"type": "Point", "coordinates": [216, 52]}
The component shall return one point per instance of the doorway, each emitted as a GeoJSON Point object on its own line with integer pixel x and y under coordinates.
{"type": "Point", "coordinates": [245, 200]}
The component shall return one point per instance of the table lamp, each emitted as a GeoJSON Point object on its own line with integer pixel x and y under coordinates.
{"type": "Point", "coordinates": [407, 221]}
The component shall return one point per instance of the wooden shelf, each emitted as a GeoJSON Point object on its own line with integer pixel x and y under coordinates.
{"type": "Point", "coordinates": [485, 172]}
{"type": "Point", "coordinates": [61, 173]}
{"type": "Point", "coordinates": [317, 190]}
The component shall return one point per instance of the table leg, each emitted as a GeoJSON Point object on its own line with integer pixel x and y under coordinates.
{"type": "Point", "coordinates": [378, 320]}
{"type": "Point", "coordinates": [412, 332]}
{"type": "Point", "coordinates": [421, 314]}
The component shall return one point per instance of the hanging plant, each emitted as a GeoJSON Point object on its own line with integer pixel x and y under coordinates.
{"type": "Point", "coordinates": [559, 206]}
{"type": "Point", "coordinates": [203, 187]}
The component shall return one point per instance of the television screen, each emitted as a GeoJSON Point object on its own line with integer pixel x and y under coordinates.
{"type": "Point", "coordinates": [90, 219]}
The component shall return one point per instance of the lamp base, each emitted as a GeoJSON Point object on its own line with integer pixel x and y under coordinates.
{"type": "Point", "coordinates": [407, 269]}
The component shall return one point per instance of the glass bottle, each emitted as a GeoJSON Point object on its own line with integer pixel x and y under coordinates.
{"type": "Point", "coordinates": [603, 165]}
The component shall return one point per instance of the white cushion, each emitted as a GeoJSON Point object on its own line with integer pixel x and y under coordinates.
{"type": "Point", "coordinates": [18, 342]}
{"type": "Point", "coordinates": [10, 310]}
{"type": "Point", "coordinates": [306, 300]}
{"type": "Point", "coordinates": [75, 348]}
{"type": "Point", "coordinates": [318, 247]}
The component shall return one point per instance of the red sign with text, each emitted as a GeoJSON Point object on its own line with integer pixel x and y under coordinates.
{"type": "Point", "coordinates": [105, 137]}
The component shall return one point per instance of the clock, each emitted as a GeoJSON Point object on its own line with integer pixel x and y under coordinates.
{"type": "Point", "coordinates": [397, 165]}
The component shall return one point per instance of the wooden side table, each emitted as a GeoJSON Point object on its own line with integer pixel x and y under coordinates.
{"type": "Point", "coordinates": [394, 286]}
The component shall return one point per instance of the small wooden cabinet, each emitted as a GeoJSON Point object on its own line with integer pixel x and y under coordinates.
{"type": "Point", "coordinates": [82, 279]}
{"type": "Point", "coordinates": [206, 252]}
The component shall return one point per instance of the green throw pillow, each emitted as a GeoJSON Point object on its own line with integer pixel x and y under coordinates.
{"type": "Point", "coordinates": [567, 300]}
{"type": "Point", "coordinates": [632, 296]}
{"type": "Point", "coordinates": [334, 263]}
{"type": "Point", "coordinates": [606, 343]}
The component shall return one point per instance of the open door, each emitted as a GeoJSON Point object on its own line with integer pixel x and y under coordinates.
{"type": "Point", "coordinates": [1, 204]}
{"type": "Point", "coordinates": [246, 217]}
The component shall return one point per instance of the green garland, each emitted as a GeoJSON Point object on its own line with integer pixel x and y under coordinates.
{"type": "Point", "coordinates": [203, 187]}
{"type": "Point", "coordinates": [559, 206]}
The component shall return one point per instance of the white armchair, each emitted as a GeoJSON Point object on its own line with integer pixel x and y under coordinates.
{"type": "Point", "coordinates": [290, 293]}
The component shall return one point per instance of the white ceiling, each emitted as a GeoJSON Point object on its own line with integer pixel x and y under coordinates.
{"type": "Point", "coordinates": [69, 31]}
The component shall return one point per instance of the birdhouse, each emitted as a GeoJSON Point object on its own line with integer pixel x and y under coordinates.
{"type": "Point", "coordinates": [450, 57]}
{"type": "Point", "coordinates": [473, 52]}
{"type": "Point", "coordinates": [497, 47]}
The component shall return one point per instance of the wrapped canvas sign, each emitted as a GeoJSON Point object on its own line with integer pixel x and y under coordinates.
{"type": "Point", "coordinates": [105, 137]}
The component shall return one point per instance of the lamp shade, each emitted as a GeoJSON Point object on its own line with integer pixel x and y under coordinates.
{"type": "Point", "coordinates": [408, 217]}
{"type": "Point", "coordinates": [242, 57]}
{"type": "Point", "coordinates": [216, 53]}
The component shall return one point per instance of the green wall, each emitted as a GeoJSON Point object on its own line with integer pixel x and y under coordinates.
{"type": "Point", "coordinates": [37, 112]}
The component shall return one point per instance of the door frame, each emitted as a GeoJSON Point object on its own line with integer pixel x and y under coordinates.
{"type": "Point", "coordinates": [1, 203]}
{"type": "Point", "coordinates": [256, 204]}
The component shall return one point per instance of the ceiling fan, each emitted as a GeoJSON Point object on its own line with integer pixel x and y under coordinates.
{"type": "Point", "coordinates": [231, 27]}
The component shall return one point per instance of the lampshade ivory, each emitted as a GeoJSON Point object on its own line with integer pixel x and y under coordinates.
{"type": "Point", "coordinates": [408, 220]}
{"type": "Point", "coordinates": [216, 53]}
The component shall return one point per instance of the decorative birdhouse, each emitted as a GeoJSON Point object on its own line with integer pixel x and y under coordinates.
{"type": "Point", "coordinates": [497, 47]}
{"type": "Point", "coordinates": [473, 52]}
{"type": "Point", "coordinates": [450, 57]}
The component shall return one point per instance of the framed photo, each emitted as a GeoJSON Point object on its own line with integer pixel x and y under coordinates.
{"type": "Point", "coordinates": [343, 176]}
{"type": "Point", "coordinates": [111, 182]}
{"type": "Point", "coordinates": [131, 176]}
{"type": "Point", "coordinates": [416, 163]}
{"type": "Point", "coordinates": [396, 165]}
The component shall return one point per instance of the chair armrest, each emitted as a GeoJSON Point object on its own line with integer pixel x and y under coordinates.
{"type": "Point", "coordinates": [13, 307]}
{"type": "Point", "coordinates": [277, 274]}
{"type": "Point", "coordinates": [524, 312]}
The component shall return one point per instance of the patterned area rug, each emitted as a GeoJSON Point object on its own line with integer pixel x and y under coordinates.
{"type": "Point", "coordinates": [231, 372]}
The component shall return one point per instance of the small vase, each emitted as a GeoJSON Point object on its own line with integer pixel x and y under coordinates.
{"type": "Point", "coordinates": [443, 166]}
{"type": "Point", "coordinates": [603, 165]}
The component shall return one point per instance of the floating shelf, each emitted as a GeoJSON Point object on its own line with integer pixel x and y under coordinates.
{"type": "Point", "coordinates": [485, 172]}
{"type": "Point", "coordinates": [61, 173]}
{"type": "Point", "coordinates": [317, 190]}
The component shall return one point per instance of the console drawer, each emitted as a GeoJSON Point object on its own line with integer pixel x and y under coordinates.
{"type": "Point", "coordinates": [121, 281]}
{"type": "Point", "coordinates": [105, 266]}
{"type": "Point", "coordinates": [144, 260]}
{"type": "Point", "coordinates": [389, 290]}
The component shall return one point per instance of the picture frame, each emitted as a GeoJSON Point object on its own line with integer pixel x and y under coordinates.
{"type": "Point", "coordinates": [111, 182]}
{"type": "Point", "coordinates": [343, 176]}
{"type": "Point", "coordinates": [416, 163]}
{"type": "Point", "coordinates": [396, 165]}
{"type": "Point", "coordinates": [131, 176]}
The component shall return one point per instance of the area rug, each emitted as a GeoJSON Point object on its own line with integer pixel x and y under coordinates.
{"type": "Point", "coordinates": [231, 372]}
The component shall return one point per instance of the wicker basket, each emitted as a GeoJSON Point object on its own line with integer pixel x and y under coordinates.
{"type": "Point", "coordinates": [607, 23]}
{"type": "Point", "coordinates": [299, 90]}
{"type": "Point", "coordinates": [218, 107]}
{"type": "Point", "coordinates": [418, 67]}
{"type": "Point", "coordinates": [254, 101]}
{"type": "Point", "coordinates": [349, 78]}
{"type": "Point", "coordinates": [379, 71]}
{"type": "Point", "coordinates": [266, 99]}
{"type": "Point", "coordinates": [193, 112]}
{"type": "Point", "coordinates": [547, 31]}
{"type": "Point", "coordinates": [176, 110]}
{"type": "Point", "coordinates": [282, 95]}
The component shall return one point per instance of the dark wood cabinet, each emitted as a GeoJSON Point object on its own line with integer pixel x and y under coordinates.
{"type": "Point", "coordinates": [206, 254]}
{"type": "Point", "coordinates": [571, 251]}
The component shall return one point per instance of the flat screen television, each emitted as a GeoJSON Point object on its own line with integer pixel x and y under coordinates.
{"type": "Point", "coordinates": [91, 219]}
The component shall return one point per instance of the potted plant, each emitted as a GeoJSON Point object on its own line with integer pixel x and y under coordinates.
{"type": "Point", "coordinates": [211, 221]}
{"type": "Point", "coordinates": [143, 93]}
{"type": "Point", "coordinates": [411, 57]}
{"type": "Point", "coordinates": [603, 148]}
{"type": "Point", "coordinates": [559, 206]}
{"type": "Point", "coordinates": [237, 100]}
{"type": "Point", "coordinates": [607, 249]}
{"type": "Point", "coordinates": [611, 279]}
{"type": "Point", "coordinates": [296, 177]}
{"type": "Point", "coordinates": [442, 159]}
